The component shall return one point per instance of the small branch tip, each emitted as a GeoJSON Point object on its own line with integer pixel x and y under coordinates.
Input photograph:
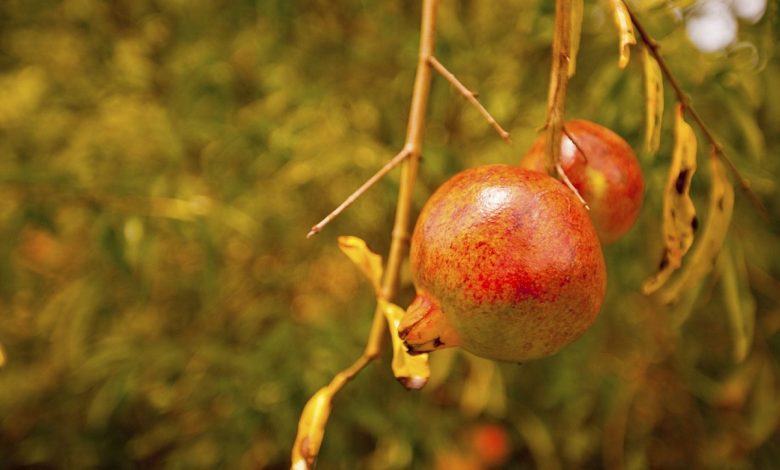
{"type": "Point", "coordinates": [471, 96]}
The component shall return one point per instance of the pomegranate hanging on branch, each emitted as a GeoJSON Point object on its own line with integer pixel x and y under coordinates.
{"type": "Point", "coordinates": [507, 265]}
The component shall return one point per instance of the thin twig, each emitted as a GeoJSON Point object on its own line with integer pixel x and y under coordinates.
{"type": "Point", "coordinates": [470, 96]}
{"type": "Point", "coordinates": [582, 152]}
{"type": "Point", "coordinates": [685, 101]}
{"type": "Point", "coordinates": [559, 80]}
{"type": "Point", "coordinates": [405, 152]}
{"type": "Point", "coordinates": [568, 183]}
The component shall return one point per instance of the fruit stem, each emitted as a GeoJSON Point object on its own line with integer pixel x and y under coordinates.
{"type": "Point", "coordinates": [683, 99]}
{"type": "Point", "coordinates": [559, 80]}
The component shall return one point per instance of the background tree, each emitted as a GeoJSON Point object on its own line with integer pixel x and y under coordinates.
{"type": "Point", "coordinates": [162, 160]}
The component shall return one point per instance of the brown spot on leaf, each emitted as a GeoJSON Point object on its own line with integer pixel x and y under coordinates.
{"type": "Point", "coordinates": [679, 184]}
{"type": "Point", "coordinates": [664, 261]}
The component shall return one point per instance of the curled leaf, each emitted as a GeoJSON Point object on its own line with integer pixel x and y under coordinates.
{"type": "Point", "coordinates": [710, 241]}
{"type": "Point", "coordinates": [626, 29]}
{"type": "Point", "coordinates": [654, 101]}
{"type": "Point", "coordinates": [369, 262]}
{"type": "Point", "coordinates": [311, 429]}
{"type": "Point", "coordinates": [577, 9]}
{"type": "Point", "coordinates": [412, 371]}
{"type": "Point", "coordinates": [679, 213]}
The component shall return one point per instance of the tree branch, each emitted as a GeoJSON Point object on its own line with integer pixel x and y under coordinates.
{"type": "Point", "coordinates": [683, 99]}
{"type": "Point", "coordinates": [315, 414]}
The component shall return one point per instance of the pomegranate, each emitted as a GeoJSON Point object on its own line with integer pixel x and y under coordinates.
{"type": "Point", "coordinates": [605, 171]}
{"type": "Point", "coordinates": [506, 264]}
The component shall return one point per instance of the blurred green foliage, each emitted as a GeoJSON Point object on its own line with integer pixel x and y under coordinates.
{"type": "Point", "coordinates": [162, 160]}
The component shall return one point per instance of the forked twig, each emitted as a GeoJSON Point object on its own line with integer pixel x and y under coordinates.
{"type": "Point", "coordinates": [470, 96]}
{"type": "Point", "coordinates": [311, 427]}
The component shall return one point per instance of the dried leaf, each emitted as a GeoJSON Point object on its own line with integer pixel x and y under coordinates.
{"type": "Point", "coordinates": [654, 101]}
{"type": "Point", "coordinates": [311, 429]}
{"type": "Point", "coordinates": [369, 262]}
{"type": "Point", "coordinates": [2, 355]}
{"type": "Point", "coordinates": [710, 242]}
{"type": "Point", "coordinates": [623, 22]}
{"type": "Point", "coordinates": [412, 371]}
{"type": "Point", "coordinates": [679, 213]}
{"type": "Point", "coordinates": [577, 9]}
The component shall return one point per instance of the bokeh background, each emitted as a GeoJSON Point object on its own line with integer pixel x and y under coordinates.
{"type": "Point", "coordinates": [162, 160]}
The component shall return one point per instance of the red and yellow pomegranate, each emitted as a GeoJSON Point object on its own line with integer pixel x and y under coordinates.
{"type": "Point", "coordinates": [506, 264]}
{"type": "Point", "coordinates": [604, 169]}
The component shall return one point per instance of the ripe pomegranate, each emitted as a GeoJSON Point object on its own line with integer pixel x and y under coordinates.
{"type": "Point", "coordinates": [506, 264]}
{"type": "Point", "coordinates": [608, 175]}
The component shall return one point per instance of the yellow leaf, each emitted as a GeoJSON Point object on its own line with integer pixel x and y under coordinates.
{"type": "Point", "coordinates": [369, 262]}
{"type": "Point", "coordinates": [577, 8]}
{"type": "Point", "coordinates": [623, 22]}
{"type": "Point", "coordinates": [311, 429]}
{"type": "Point", "coordinates": [412, 371]}
{"type": "Point", "coordinates": [654, 101]}
{"type": "Point", "coordinates": [710, 242]}
{"type": "Point", "coordinates": [679, 213]}
{"type": "Point", "coordinates": [2, 356]}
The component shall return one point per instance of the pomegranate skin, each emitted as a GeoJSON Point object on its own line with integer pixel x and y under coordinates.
{"type": "Point", "coordinates": [608, 175]}
{"type": "Point", "coordinates": [506, 264]}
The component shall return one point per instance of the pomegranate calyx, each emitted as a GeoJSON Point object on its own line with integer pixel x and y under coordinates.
{"type": "Point", "coordinates": [424, 328]}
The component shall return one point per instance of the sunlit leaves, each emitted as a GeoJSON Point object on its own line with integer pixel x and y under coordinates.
{"type": "Point", "coordinates": [654, 101]}
{"type": "Point", "coordinates": [679, 214]}
{"type": "Point", "coordinates": [625, 29]}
